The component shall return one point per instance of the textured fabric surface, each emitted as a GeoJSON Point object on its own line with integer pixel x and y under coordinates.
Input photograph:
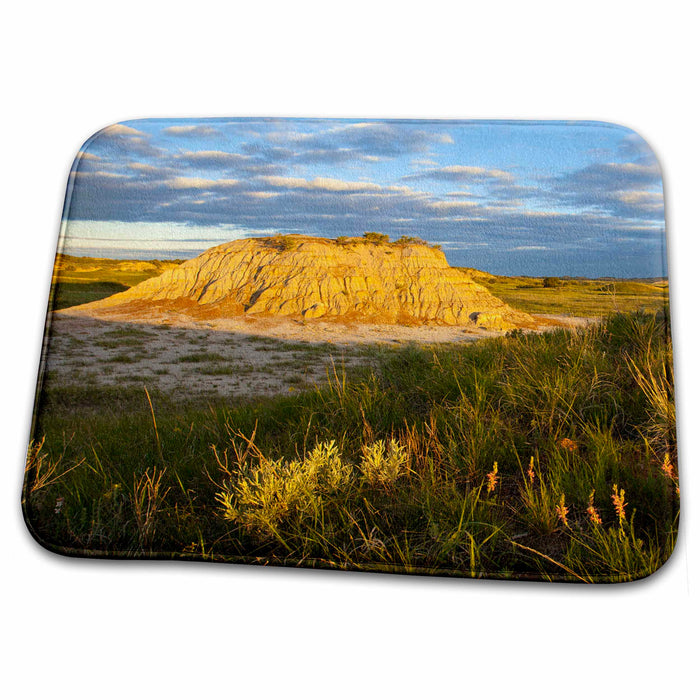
{"type": "Point", "coordinates": [430, 347]}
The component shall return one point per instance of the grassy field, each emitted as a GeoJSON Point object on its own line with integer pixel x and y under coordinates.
{"type": "Point", "coordinates": [545, 456]}
{"type": "Point", "coordinates": [576, 296]}
{"type": "Point", "coordinates": [79, 280]}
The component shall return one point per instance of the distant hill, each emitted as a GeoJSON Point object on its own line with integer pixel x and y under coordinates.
{"type": "Point", "coordinates": [75, 269]}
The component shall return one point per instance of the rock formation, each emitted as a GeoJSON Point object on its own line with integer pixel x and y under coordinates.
{"type": "Point", "coordinates": [305, 277]}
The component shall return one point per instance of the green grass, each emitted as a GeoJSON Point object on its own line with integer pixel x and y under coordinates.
{"type": "Point", "coordinates": [129, 333]}
{"type": "Point", "coordinates": [393, 470]}
{"type": "Point", "coordinates": [213, 369]}
{"type": "Point", "coordinates": [86, 270]}
{"type": "Point", "coordinates": [69, 294]}
{"type": "Point", "coordinates": [79, 280]}
{"type": "Point", "coordinates": [195, 357]}
{"type": "Point", "coordinates": [576, 297]}
{"type": "Point", "coordinates": [125, 358]}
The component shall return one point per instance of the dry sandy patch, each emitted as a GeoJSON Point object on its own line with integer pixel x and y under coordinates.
{"type": "Point", "coordinates": [240, 356]}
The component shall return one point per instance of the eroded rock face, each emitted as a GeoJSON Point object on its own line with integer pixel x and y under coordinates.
{"type": "Point", "coordinates": [305, 277]}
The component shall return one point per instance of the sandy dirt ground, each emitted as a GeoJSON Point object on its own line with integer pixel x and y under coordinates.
{"type": "Point", "coordinates": [242, 356]}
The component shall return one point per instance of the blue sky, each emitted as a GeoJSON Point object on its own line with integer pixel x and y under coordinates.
{"type": "Point", "coordinates": [550, 198]}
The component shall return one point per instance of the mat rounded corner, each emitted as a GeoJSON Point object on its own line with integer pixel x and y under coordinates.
{"type": "Point", "coordinates": [124, 128]}
{"type": "Point", "coordinates": [39, 539]}
{"type": "Point", "coordinates": [637, 142]}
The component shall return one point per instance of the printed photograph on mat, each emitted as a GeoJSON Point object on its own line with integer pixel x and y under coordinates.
{"type": "Point", "coordinates": [429, 347]}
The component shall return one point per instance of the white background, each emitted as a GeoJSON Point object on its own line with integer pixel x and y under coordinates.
{"type": "Point", "coordinates": [84, 629]}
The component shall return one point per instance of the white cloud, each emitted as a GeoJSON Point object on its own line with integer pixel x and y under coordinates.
{"type": "Point", "coordinates": [333, 185]}
{"type": "Point", "coordinates": [457, 173]}
{"type": "Point", "coordinates": [451, 206]}
{"type": "Point", "coordinates": [326, 184]}
{"type": "Point", "coordinates": [190, 130]}
{"type": "Point", "coordinates": [530, 247]}
{"type": "Point", "coordinates": [634, 169]}
{"type": "Point", "coordinates": [143, 167]}
{"type": "Point", "coordinates": [462, 170]}
{"type": "Point", "coordinates": [119, 235]}
{"type": "Point", "coordinates": [84, 155]}
{"type": "Point", "coordinates": [198, 183]}
{"type": "Point", "coordinates": [402, 189]}
{"type": "Point", "coordinates": [261, 195]}
{"type": "Point", "coordinates": [100, 174]}
{"type": "Point", "coordinates": [222, 157]}
{"type": "Point", "coordinates": [121, 130]}
{"type": "Point", "coordinates": [641, 197]}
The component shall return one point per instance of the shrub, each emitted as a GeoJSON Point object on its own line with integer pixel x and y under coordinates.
{"type": "Point", "coordinates": [266, 495]}
{"type": "Point", "coordinates": [374, 237]}
{"type": "Point", "coordinates": [550, 282]}
{"type": "Point", "coordinates": [283, 243]}
{"type": "Point", "coordinates": [382, 464]}
{"type": "Point", "coordinates": [410, 240]}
